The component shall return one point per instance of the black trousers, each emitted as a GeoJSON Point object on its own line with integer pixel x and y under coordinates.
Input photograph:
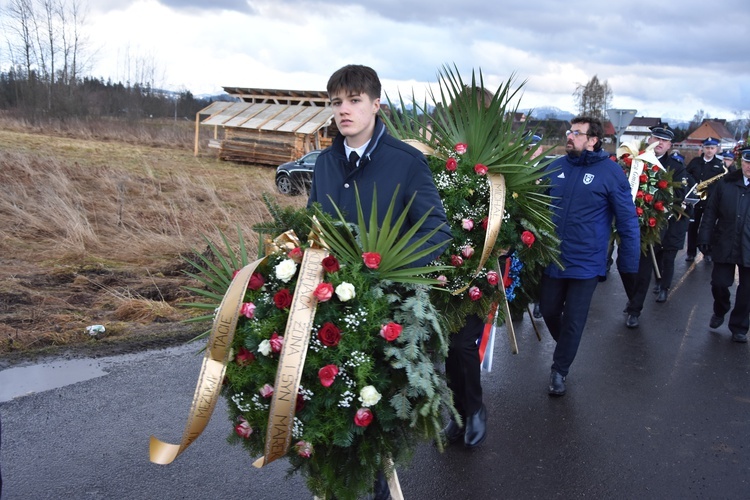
{"type": "Point", "coordinates": [692, 232]}
{"type": "Point", "coordinates": [564, 304]}
{"type": "Point", "coordinates": [637, 294]}
{"type": "Point", "coordinates": [722, 277]}
{"type": "Point", "coordinates": [462, 366]}
{"type": "Point", "coordinates": [665, 259]}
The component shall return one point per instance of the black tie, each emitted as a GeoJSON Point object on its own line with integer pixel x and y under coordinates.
{"type": "Point", "coordinates": [353, 159]}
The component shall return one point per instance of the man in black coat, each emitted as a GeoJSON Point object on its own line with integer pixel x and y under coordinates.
{"type": "Point", "coordinates": [725, 232]}
{"type": "Point", "coordinates": [673, 236]}
{"type": "Point", "coordinates": [701, 169]}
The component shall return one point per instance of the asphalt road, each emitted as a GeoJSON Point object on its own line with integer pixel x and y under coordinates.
{"type": "Point", "coordinates": [658, 412]}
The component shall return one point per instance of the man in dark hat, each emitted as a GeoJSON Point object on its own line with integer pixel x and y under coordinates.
{"type": "Point", "coordinates": [673, 237]}
{"type": "Point", "coordinates": [728, 158]}
{"type": "Point", "coordinates": [726, 231]}
{"type": "Point", "coordinates": [702, 168]}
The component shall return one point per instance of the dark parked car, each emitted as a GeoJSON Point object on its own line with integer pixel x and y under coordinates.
{"type": "Point", "coordinates": [295, 177]}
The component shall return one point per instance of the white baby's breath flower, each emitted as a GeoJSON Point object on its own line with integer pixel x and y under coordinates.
{"type": "Point", "coordinates": [286, 269]}
{"type": "Point", "coordinates": [345, 292]}
{"type": "Point", "coordinates": [369, 396]}
{"type": "Point", "coordinates": [265, 347]}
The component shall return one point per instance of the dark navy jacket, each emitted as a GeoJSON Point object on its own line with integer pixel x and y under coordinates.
{"type": "Point", "coordinates": [726, 222]}
{"type": "Point", "coordinates": [589, 191]}
{"type": "Point", "coordinates": [386, 164]}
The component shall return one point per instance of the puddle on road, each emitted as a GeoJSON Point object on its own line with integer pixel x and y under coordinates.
{"type": "Point", "coordinates": [24, 380]}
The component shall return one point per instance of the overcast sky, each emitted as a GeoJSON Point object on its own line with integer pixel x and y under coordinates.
{"type": "Point", "coordinates": [663, 58]}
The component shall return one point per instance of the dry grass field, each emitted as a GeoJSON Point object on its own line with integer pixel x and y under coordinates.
{"type": "Point", "coordinates": [94, 219]}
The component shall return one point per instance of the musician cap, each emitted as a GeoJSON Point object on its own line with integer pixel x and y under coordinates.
{"type": "Point", "coordinates": [662, 132]}
{"type": "Point", "coordinates": [710, 141]}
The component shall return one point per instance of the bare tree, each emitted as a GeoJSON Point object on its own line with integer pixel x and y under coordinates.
{"type": "Point", "coordinates": [20, 35]}
{"type": "Point", "coordinates": [593, 98]}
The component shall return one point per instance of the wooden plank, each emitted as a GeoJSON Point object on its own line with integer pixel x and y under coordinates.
{"type": "Point", "coordinates": [244, 115]}
{"type": "Point", "coordinates": [320, 120]}
{"type": "Point", "coordinates": [288, 114]}
{"type": "Point", "coordinates": [297, 121]}
{"type": "Point", "coordinates": [225, 114]}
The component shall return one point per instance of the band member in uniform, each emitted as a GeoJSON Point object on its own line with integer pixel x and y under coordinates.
{"type": "Point", "coordinates": [725, 230]}
{"type": "Point", "coordinates": [701, 169]}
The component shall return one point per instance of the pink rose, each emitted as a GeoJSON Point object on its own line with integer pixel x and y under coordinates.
{"type": "Point", "coordinates": [480, 169]}
{"type": "Point", "coordinates": [461, 148]}
{"type": "Point", "coordinates": [493, 278]}
{"type": "Point", "coordinates": [276, 342]}
{"type": "Point", "coordinates": [256, 281]}
{"type": "Point", "coordinates": [371, 259]}
{"type": "Point", "coordinates": [330, 264]}
{"type": "Point", "coordinates": [456, 260]}
{"type": "Point", "coordinates": [467, 251]}
{"type": "Point", "coordinates": [467, 224]}
{"type": "Point", "coordinates": [244, 357]}
{"type": "Point", "coordinates": [243, 428]}
{"type": "Point", "coordinates": [528, 238]}
{"type": "Point", "coordinates": [304, 449]}
{"type": "Point", "coordinates": [391, 331]}
{"type": "Point", "coordinates": [323, 292]}
{"type": "Point", "coordinates": [296, 254]}
{"type": "Point", "coordinates": [248, 310]}
{"type": "Point", "coordinates": [363, 417]}
{"type": "Point", "coordinates": [327, 374]}
{"type": "Point", "coordinates": [475, 293]}
{"type": "Point", "coordinates": [451, 165]}
{"type": "Point", "coordinates": [266, 391]}
{"type": "Point", "coordinates": [442, 279]}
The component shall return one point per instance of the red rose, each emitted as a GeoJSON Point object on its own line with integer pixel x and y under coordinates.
{"type": "Point", "coordinates": [456, 260]}
{"type": "Point", "coordinates": [638, 211]}
{"type": "Point", "coordinates": [639, 194]}
{"type": "Point", "coordinates": [329, 334]}
{"type": "Point", "coordinates": [330, 264]}
{"type": "Point", "coordinates": [662, 184]}
{"type": "Point", "coordinates": [655, 168]}
{"type": "Point", "coordinates": [461, 148]}
{"type": "Point", "coordinates": [277, 342]}
{"type": "Point", "coordinates": [528, 238]}
{"type": "Point", "coordinates": [363, 417]}
{"type": "Point", "coordinates": [493, 278]}
{"type": "Point", "coordinates": [283, 298]}
{"type": "Point", "coordinates": [480, 169]}
{"type": "Point", "coordinates": [475, 293]}
{"type": "Point", "coordinates": [651, 222]}
{"type": "Point", "coordinates": [323, 292]}
{"type": "Point", "coordinates": [295, 254]}
{"type": "Point", "coordinates": [485, 222]}
{"type": "Point", "coordinates": [256, 281]}
{"type": "Point", "coordinates": [243, 428]}
{"type": "Point", "coordinates": [643, 179]}
{"type": "Point", "coordinates": [371, 259]}
{"type": "Point", "coordinates": [627, 160]}
{"type": "Point", "coordinates": [244, 357]}
{"type": "Point", "coordinates": [451, 165]}
{"type": "Point", "coordinates": [391, 331]}
{"type": "Point", "coordinates": [648, 198]}
{"type": "Point", "coordinates": [659, 205]}
{"type": "Point", "coordinates": [327, 374]}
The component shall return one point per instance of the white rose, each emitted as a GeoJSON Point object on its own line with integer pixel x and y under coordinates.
{"type": "Point", "coordinates": [286, 269]}
{"type": "Point", "coordinates": [369, 396]}
{"type": "Point", "coordinates": [345, 291]}
{"type": "Point", "coordinates": [265, 347]}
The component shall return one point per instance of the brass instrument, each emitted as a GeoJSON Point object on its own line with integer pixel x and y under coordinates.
{"type": "Point", "coordinates": [701, 189]}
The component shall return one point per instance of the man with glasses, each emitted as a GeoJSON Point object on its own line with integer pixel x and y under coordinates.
{"type": "Point", "coordinates": [588, 190]}
{"type": "Point", "coordinates": [725, 231]}
{"type": "Point", "coordinates": [701, 169]}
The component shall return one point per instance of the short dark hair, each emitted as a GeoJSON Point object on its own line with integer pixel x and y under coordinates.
{"type": "Point", "coordinates": [355, 78]}
{"type": "Point", "coordinates": [596, 129]}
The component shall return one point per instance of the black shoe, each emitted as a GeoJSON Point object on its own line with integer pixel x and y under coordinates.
{"type": "Point", "coordinates": [689, 258]}
{"type": "Point", "coordinates": [739, 337]}
{"type": "Point", "coordinates": [657, 289]}
{"type": "Point", "coordinates": [453, 432]}
{"type": "Point", "coordinates": [662, 295]}
{"type": "Point", "coordinates": [556, 384]}
{"type": "Point", "coordinates": [632, 321]}
{"type": "Point", "coordinates": [716, 321]}
{"type": "Point", "coordinates": [476, 428]}
{"type": "Point", "coordinates": [537, 313]}
{"type": "Point", "coordinates": [381, 490]}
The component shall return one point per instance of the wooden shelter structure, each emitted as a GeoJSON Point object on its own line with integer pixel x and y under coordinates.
{"type": "Point", "coordinates": [268, 126]}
